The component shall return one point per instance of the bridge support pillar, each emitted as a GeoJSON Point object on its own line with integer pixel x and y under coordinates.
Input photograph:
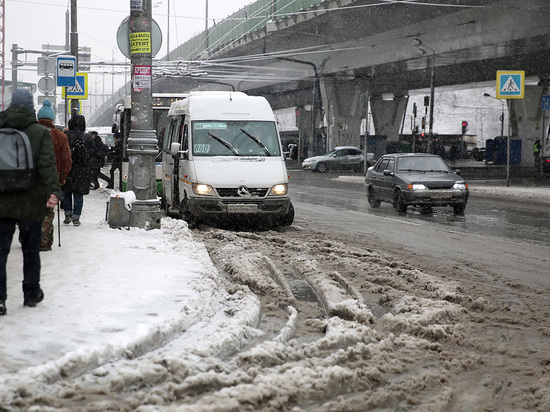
{"type": "Point", "coordinates": [388, 114]}
{"type": "Point", "coordinates": [525, 120]}
{"type": "Point", "coordinates": [341, 104]}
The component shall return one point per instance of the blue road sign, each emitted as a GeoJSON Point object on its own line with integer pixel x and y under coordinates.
{"type": "Point", "coordinates": [510, 84]}
{"type": "Point", "coordinates": [66, 71]}
{"type": "Point", "coordinates": [80, 88]}
{"type": "Point", "coordinates": [545, 102]}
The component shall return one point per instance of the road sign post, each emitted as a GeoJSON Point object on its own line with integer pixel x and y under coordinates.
{"type": "Point", "coordinates": [510, 85]}
{"type": "Point", "coordinates": [545, 106]}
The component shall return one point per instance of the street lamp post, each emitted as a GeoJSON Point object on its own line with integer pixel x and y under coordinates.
{"type": "Point", "coordinates": [142, 142]}
{"type": "Point", "coordinates": [422, 48]}
{"type": "Point", "coordinates": [501, 115]}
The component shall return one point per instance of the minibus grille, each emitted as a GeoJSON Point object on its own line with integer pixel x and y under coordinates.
{"type": "Point", "coordinates": [235, 192]}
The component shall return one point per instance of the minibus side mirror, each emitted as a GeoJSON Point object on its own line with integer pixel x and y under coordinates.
{"type": "Point", "coordinates": [175, 150]}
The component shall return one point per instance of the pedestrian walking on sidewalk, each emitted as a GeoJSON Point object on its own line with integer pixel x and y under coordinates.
{"type": "Point", "coordinates": [117, 152]}
{"type": "Point", "coordinates": [98, 161]}
{"type": "Point", "coordinates": [536, 152]}
{"type": "Point", "coordinates": [27, 208]}
{"type": "Point", "coordinates": [77, 183]}
{"type": "Point", "coordinates": [46, 116]}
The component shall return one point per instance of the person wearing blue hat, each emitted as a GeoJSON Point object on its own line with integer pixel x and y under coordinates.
{"type": "Point", "coordinates": [26, 208]}
{"type": "Point", "coordinates": [46, 116]}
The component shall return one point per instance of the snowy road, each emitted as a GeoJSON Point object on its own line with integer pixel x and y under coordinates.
{"type": "Point", "coordinates": [321, 317]}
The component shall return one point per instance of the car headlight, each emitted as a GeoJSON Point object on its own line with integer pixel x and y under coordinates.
{"type": "Point", "coordinates": [460, 186]}
{"type": "Point", "coordinates": [416, 186]}
{"type": "Point", "coordinates": [307, 161]}
{"type": "Point", "coordinates": [279, 190]}
{"type": "Point", "coordinates": [203, 190]}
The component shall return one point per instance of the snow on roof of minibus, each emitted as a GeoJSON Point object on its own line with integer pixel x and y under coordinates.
{"type": "Point", "coordinates": [215, 104]}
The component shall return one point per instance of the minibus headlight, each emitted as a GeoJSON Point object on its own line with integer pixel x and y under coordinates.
{"type": "Point", "coordinates": [203, 190]}
{"type": "Point", "coordinates": [279, 190]}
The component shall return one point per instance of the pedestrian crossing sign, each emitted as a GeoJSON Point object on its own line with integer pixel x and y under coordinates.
{"type": "Point", "coordinates": [80, 88]}
{"type": "Point", "coordinates": [510, 84]}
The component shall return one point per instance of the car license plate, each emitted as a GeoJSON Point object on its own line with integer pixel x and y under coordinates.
{"type": "Point", "coordinates": [444, 195]}
{"type": "Point", "coordinates": [242, 208]}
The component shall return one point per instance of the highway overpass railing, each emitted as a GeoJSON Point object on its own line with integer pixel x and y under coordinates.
{"type": "Point", "coordinates": [249, 19]}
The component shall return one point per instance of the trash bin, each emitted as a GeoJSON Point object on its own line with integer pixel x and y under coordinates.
{"type": "Point", "coordinates": [117, 214]}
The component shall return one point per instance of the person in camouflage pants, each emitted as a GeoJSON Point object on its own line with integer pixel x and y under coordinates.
{"type": "Point", "coordinates": [46, 240]}
{"type": "Point", "coordinates": [63, 161]}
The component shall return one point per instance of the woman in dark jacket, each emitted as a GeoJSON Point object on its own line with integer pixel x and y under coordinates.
{"type": "Point", "coordinates": [78, 182]}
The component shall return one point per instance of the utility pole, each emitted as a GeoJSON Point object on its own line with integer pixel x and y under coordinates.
{"type": "Point", "coordinates": [142, 142]}
{"type": "Point", "coordinates": [206, 25]}
{"type": "Point", "coordinates": [75, 104]}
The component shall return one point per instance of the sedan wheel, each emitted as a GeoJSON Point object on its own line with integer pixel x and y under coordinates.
{"type": "Point", "coordinates": [398, 202]}
{"type": "Point", "coordinates": [322, 167]}
{"type": "Point", "coordinates": [373, 201]}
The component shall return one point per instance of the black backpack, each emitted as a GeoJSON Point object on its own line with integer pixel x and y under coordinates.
{"type": "Point", "coordinates": [16, 164]}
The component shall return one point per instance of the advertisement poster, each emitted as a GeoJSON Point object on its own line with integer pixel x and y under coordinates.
{"type": "Point", "coordinates": [140, 43]}
{"type": "Point", "coordinates": [142, 77]}
{"type": "Point", "coordinates": [136, 5]}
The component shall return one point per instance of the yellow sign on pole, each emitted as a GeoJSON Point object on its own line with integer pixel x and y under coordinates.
{"type": "Point", "coordinates": [140, 42]}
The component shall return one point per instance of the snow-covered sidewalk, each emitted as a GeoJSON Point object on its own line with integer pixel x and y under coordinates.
{"type": "Point", "coordinates": [109, 294]}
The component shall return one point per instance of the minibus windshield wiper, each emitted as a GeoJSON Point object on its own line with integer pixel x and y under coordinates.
{"type": "Point", "coordinates": [225, 143]}
{"type": "Point", "coordinates": [266, 150]}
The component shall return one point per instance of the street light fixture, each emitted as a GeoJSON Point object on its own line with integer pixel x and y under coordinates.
{"type": "Point", "coordinates": [501, 115]}
{"type": "Point", "coordinates": [422, 48]}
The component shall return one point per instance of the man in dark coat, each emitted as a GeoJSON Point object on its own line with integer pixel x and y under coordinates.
{"type": "Point", "coordinates": [27, 208]}
{"type": "Point", "coordinates": [77, 183]}
{"type": "Point", "coordinates": [98, 161]}
{"type": "Point", "coordinates": [117, 160]}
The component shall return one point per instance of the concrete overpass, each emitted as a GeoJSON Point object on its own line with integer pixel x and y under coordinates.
{"type": "Point", "coordinates": [334, 56]}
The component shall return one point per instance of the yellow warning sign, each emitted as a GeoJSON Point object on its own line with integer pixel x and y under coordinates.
{"type": "Point", "coordinates": [140, 42]}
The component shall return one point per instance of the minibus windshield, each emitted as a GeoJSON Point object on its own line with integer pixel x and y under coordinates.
{"type": "Point", "coordinates": [234, 138]}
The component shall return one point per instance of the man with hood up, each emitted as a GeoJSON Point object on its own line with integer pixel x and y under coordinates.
{"type": "Point", "coordinates": [27, 208]}
{"type": "Point", "coordinates": [77, 183]}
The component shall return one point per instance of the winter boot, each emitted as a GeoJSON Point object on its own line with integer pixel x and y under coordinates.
{"type": "Point", "coordinates": [76, 220]}
{"type": "Point", "coordinates": [3, 309]}
{"type": "Point", "coordinates": [31, 300]}
{"type": "Point", "coordinates": [68, 218]}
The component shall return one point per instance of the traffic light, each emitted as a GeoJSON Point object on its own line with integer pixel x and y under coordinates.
{"type": "Point", "coordinates": [464, 126]}
{"type": "Point", "coordinates": [423, 122]}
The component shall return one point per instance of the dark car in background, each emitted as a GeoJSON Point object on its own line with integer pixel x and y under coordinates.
{"type": "Point", "coordinates": [546, 164]}
{"type": "Point", "coordinates": [341, 158]}
{"type": "Point", "coordinates": [479, 154]}
{"type": "Point", "coordinates": [415, 179]}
